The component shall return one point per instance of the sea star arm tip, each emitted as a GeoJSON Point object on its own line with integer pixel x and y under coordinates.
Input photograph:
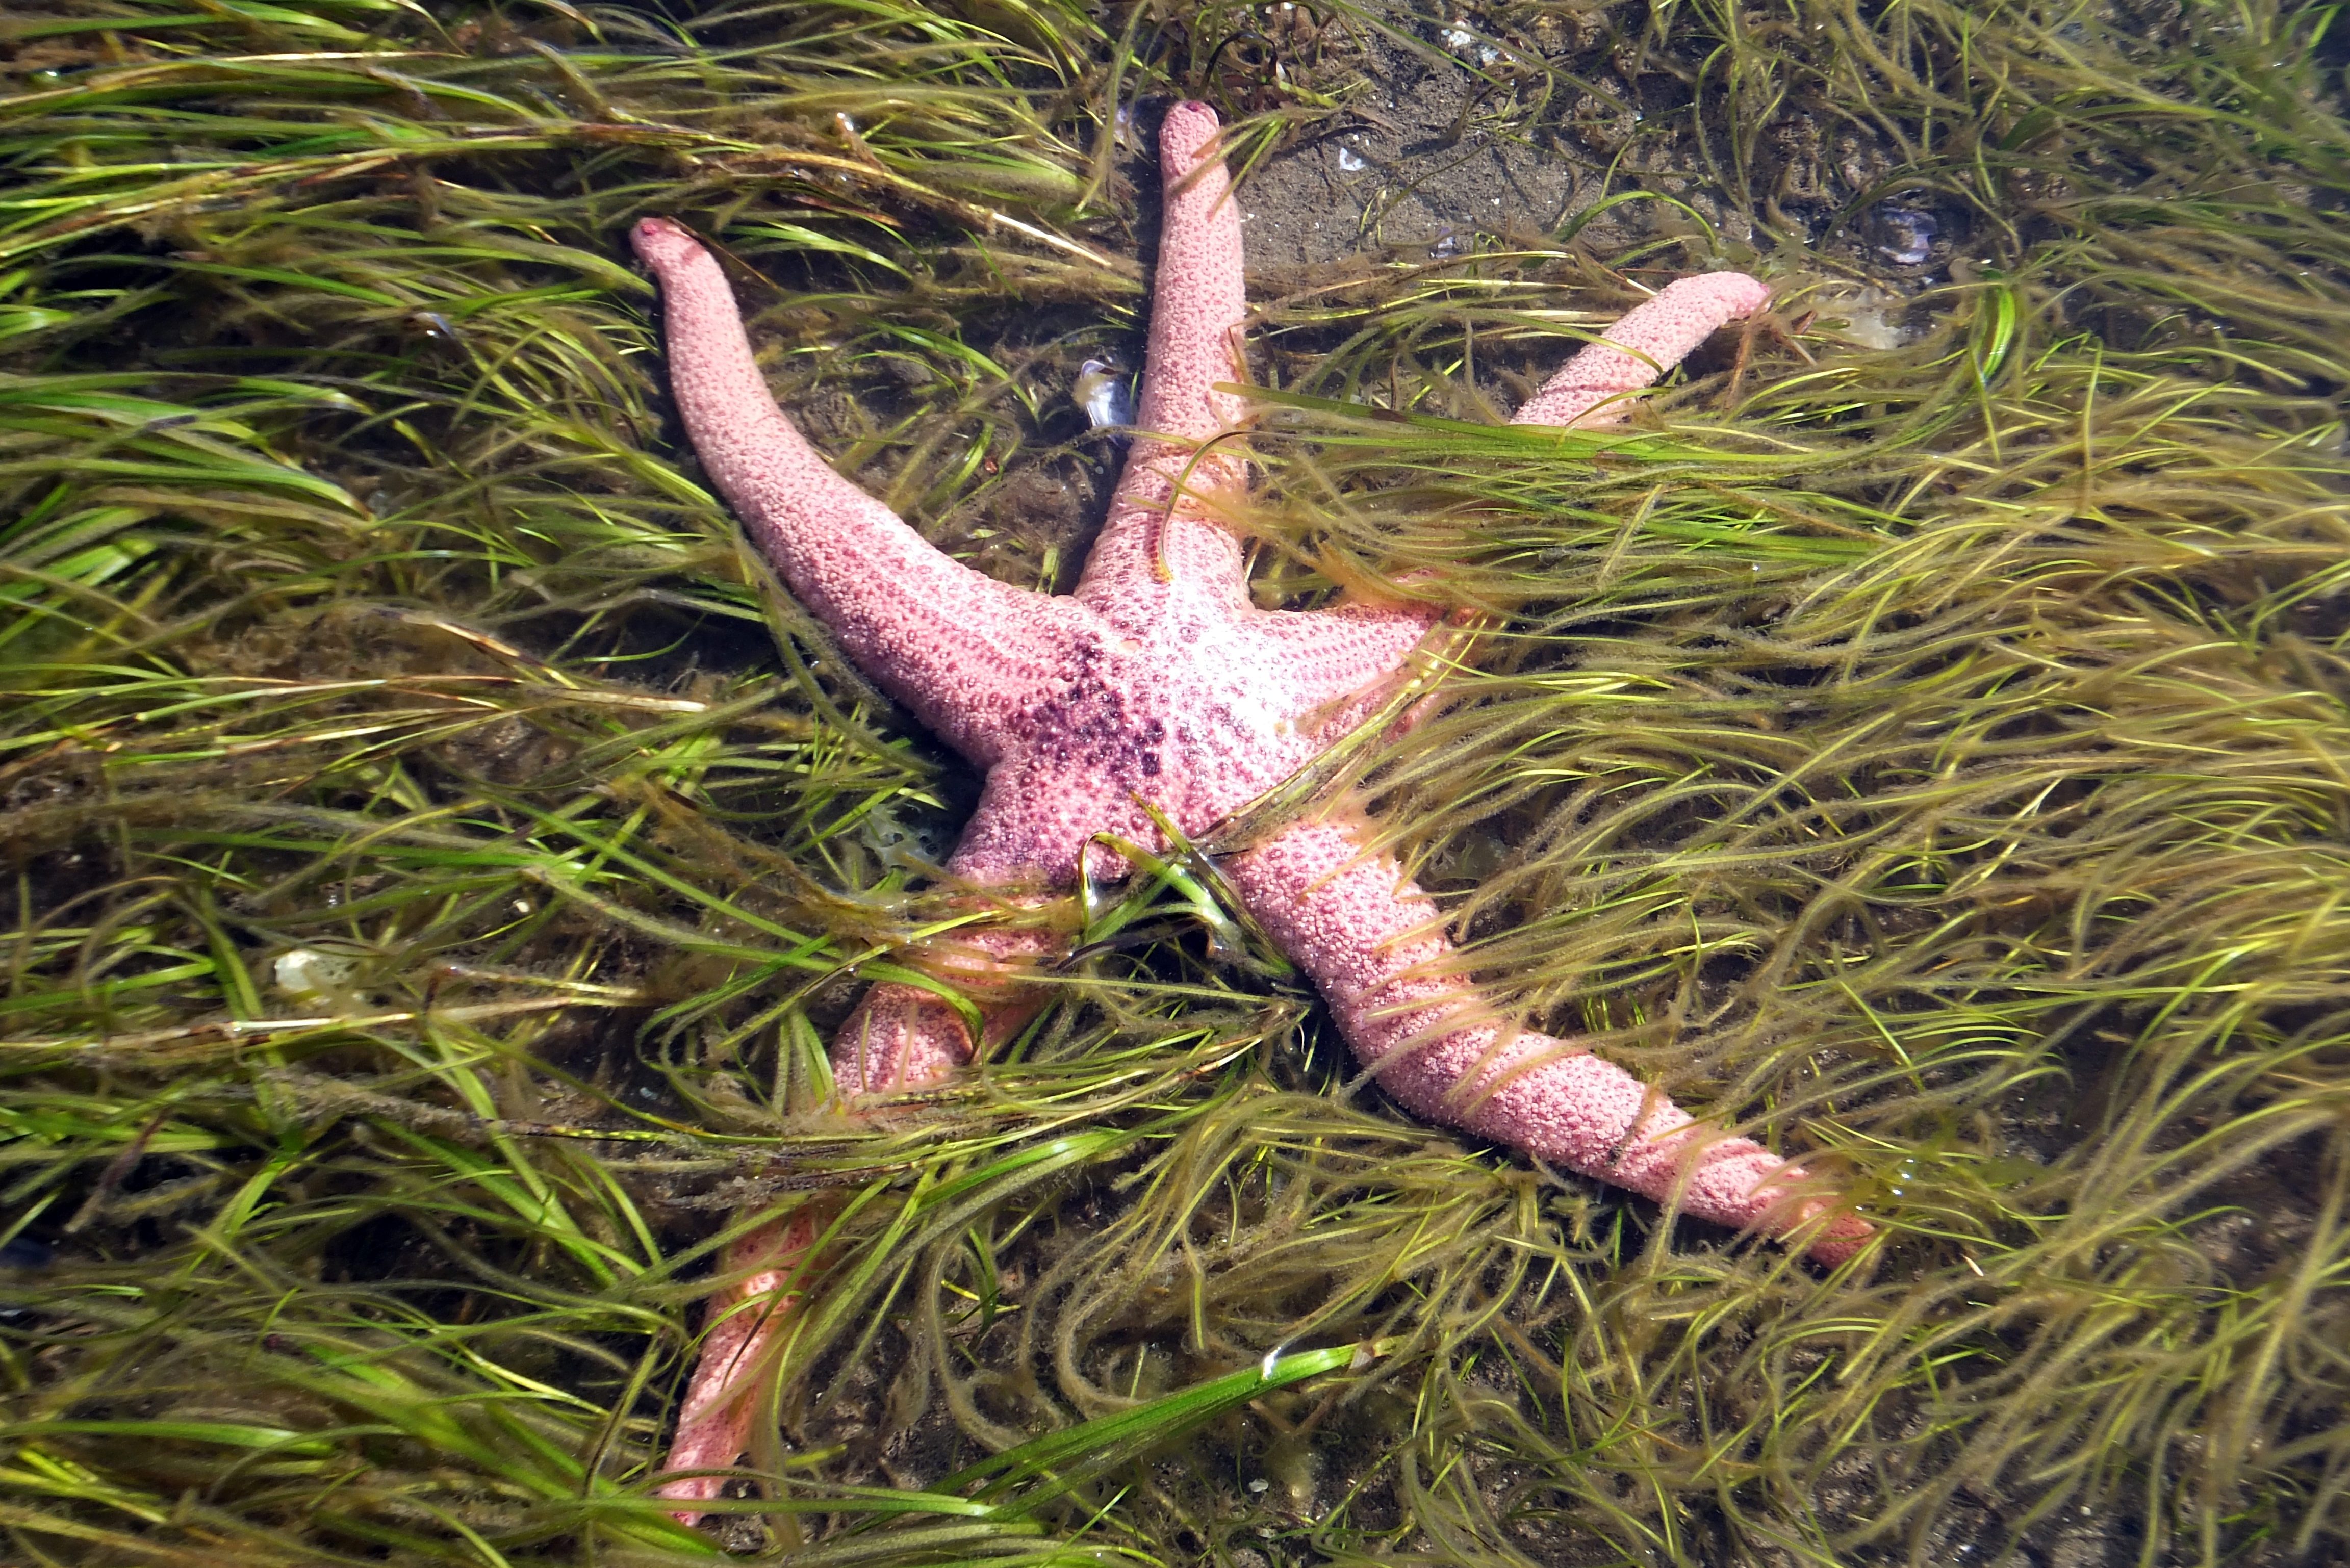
{"type": "Point", "coordinates": [1158, 530]}
{"type": "Point", "coordinates": [721, 1400]}
{"type": "Point", "coordinates": [1356, 923]}
{"type": "Point", "coordinates": [1185, 134]}
{"type": "Point", "coordinates": [966, 652]}
{"type": "Point", "coordinates": [1591, 390]}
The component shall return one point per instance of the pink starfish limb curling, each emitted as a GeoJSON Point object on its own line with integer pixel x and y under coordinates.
{"type": "Point", "coordinates": [1159, 686]}
{"type": "Point", "coordinates": [714, 1422]}
{"type": "Point", "coordinates": [1591, 389]}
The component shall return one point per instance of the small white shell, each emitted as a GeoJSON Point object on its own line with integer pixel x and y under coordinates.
{"type": "Point", "coordinates": [305, 975]}
{"type": "Point", "coordinates": [1102, 392]}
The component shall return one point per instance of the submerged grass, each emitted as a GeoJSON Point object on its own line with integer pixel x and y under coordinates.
{"type": "Point", "coordinates": [440, 851]}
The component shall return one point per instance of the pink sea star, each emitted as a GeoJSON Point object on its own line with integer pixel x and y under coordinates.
{"type": "Point", "coordinates": [1158, 684]}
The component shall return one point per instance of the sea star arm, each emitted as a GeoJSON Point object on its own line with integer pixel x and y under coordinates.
{"type": "Point", "coordinates": [745, 1318]}
{"type": "Point", "coordinates": [1369, 938]}
{"type": "Point", "coordinates": [1158, 530]}
{"type": "Point", "coordinates": [965, 652]}
{"type": "Point", "coordinates": [899, 1038]}
{"type": "Point", "coordinates": [1338, 665]}
{"type": "Point", "coordinates": [902, 1037]}
{"type": "Point", "coordinates": [1652, 337]}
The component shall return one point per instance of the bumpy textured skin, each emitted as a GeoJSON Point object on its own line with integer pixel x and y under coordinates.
{"type": "Point", "coordinates": [1373, 942]}
{"type": "Point", "coordinates": [714, 1424]}
{"type": "Point", "coordinates": [1158, 682]}
{"type": "Point", "coordinates": [1590, 390]}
